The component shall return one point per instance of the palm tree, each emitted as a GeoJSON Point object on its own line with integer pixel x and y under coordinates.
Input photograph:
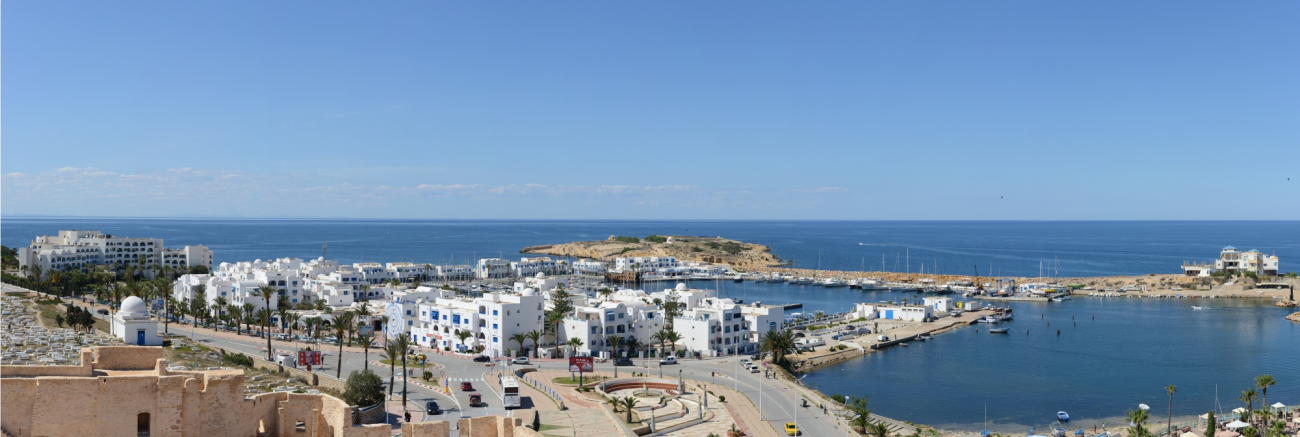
{"type": "Point", "coordinates": [236, 315]}
{"type": "Point", "coordinates": [345, 326]}
{"type": "Point", "coordinates": [574, 343]}
{"type": "Point", "coordinates": [632, 346]}
{"type": "Point", "coordinates": [606, 292]}
{"type": "Point", "coordinates": [862, 414]}
{"type": "Point", "coordinates": [249, 309]}
{"type": "Point", "coordinates": [282, 307]}
{"type": "Point", "coordinates": [267, 292]}
{"type": "Point", "coordinates": [879, 429]}
{"type": "Point", "coordinates": [1263, 382]}
{"type": "Point", "coordinates": [404, 346]}
{"type": "Point", "coordinates": [265, 315]}
{"type": "Point", "coordinates": [341, 325]}
{"type": "Point", "coordinates": [462, 335]}
{"type": "Point", "coordinates": [613, 341]}
{"type": "Point", "coordinates": [628, 403]}
{"type": "Point", "coordinates": [392, 351]}
{"type": "Point", "coordinates": [520, 338]}
{"type": "Point", "coordinates": [1248, 396]}
{"type": "Point", "coordinates": [1170, 425]}
{"type": "Point", "coordinates": [221, 304]}
{"type": "Point", "coordinates": [117, 294]}
{"type": "Point", "coordinates": [291, 320]}
{"type": "Point", "coordinates": [661, 337]}
{"type": "Point", "coordinates": [163, 289]}
{"type": "Point", "coordinates": [366, 341]}
{"type": "Point", "coordinates": [534, 335]}
{"type": "Point", "coordinates": [1138, 417]}
{"type": "Point", "coordinates": [780, 343]}
{"type": "Point", "coordinates": [673, 338]}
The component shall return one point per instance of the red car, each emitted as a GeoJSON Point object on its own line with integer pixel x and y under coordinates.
{"type": "Point", "coordinates": [465, 386]}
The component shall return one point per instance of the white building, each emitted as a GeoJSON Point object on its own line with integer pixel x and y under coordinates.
{"type": "Point", "coordinates": [528, 267]}
{"type": "Point", "coordinates": [133, 325]}
{"type": "Point", "coordinates": [71, 250]}
{"type": "Point", "coordinates": [646, 263]}
{"type": "Point", "coordinates": [910, 313]}
{"type": "Point", "coordinates": [624, 316]}
{"type": "Point", "coordinates": [492, 268]}
{"type": "Point", "coordinates": [541, 282]}
{"type": "Point", "coordinates": [762, 318]}
{"type": "Point", "coordinates": [716, 328]}
{"type": "Point", "coordinates": [940, 305]}
{"type": "Point", "coordinates": [489, 321]}
{"type": "Point", "coordinates": [589, 267]}
{"type": "Point", "coordinates": [1232, 260]}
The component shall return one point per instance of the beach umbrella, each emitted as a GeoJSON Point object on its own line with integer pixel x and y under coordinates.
{"type": "Point", "coordinates": [1144, 406]}
{"type": "Point", "coordinates": [1237, 424]}
{"type": "Point", "coordinates": [985, 432]}
{"type": "Point", "coordinates": [1239, 410]}
{"type": "Point", "coordinates": [1279, 405]}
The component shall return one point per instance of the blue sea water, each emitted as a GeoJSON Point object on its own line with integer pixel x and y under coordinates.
{"type": "Point", "coordinates": [1095, 370]}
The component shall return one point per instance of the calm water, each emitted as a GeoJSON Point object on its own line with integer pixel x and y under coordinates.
{"type": "Point", "coordinates": [1094, 370]}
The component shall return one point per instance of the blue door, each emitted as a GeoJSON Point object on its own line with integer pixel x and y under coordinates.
{"type": "Point", "coordinates": [889, 314]}
{"type": "Point", "coordinates": [139, 337]}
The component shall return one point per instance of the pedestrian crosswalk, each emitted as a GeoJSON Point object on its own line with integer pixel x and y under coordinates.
{"type": "Point", "coordinates": [466, 379]}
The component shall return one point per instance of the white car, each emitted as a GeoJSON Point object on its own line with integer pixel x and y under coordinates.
{"type": "Point", "coordinates": [668, 360]}
{"type": "Point", "coordinates": [520, 360]}
{"type": "Point", "coordinates": [753, 369]}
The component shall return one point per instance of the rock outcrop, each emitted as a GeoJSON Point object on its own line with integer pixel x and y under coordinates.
{"type": "Point", "coordinates": [685, 248]}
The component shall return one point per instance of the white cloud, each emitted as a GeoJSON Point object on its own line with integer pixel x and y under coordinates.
{"type": "Point", "coordinates": [187, 190]}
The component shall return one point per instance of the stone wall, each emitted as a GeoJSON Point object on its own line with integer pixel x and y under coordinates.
{"type": "Point", "coordinates": [127, 357]}
{"type": "Point", "coordinates": [84, 370]}
{"type": "Point", "coordinates": [207, 404]}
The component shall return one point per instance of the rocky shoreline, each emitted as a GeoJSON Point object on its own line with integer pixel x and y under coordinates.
{"type": "Point", "coordinates": [685, 248]}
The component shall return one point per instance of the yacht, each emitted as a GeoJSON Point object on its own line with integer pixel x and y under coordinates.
{"type": "Point", "coordinates": [831, 282]}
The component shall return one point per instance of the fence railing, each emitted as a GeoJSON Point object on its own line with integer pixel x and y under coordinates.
{"type": "Point", "coordinates": [539, 386]}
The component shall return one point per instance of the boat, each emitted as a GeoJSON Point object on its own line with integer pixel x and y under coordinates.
{"type": "Point", "coordinates": [998, 331]}
{"type": "Point", "coordinates": [1065, 417]}
{"type": "Point", "coordinates": [1197, 307]}
{"type": "Point", "coordinates": [831, 282]}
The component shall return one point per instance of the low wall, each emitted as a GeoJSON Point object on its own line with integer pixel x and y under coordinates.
{"type": "Point", "coordinates": [372, 414]}
{"type": "Point", "coordinates": [313, 379]}
{"type": "Point", "coordinates": [85, 369]}
{"type": "Point", "coordinates": [127, 357]}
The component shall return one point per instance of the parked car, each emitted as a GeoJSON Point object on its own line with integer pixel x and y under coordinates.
{"type": "Point", "coordinates": [466, 386]}
{"type": "Point", "coordinates": [482, 359]}
{"type": "Point", "coordinates": [668, 360]}
{"type": "Point", "coordinates": [102, 311]}
{"type": "Point", "coordinates": [431, 407]}
{"type": "Point", "coordinates": [623, 362]}
{"type": "Point", "coordinates": [520, 360]}
{"type": "Point", "coordinates": [753, 369]}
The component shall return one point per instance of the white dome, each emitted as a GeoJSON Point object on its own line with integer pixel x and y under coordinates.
{"type": "Point", "coordinates": [529, 291]}
{"type": "Point", "coordinates": [681, 286]}
{"type": "Point", "coordinates": [541, 275]}
{"type": "Point", "coordinates": [133, 307]}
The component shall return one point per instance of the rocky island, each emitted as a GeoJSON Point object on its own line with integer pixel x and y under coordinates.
{"type": "Point", "coordinates": [718, 250]}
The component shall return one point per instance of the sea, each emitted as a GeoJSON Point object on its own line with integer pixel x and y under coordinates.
{"type": "Point", "coordinates": [1110, 355]}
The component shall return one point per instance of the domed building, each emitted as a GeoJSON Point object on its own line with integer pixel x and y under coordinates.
{"type": "Point", "coordinates": [133, 324]}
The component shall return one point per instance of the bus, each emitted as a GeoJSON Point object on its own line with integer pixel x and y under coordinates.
{"type": "Point", "coordinates": [509, 392]}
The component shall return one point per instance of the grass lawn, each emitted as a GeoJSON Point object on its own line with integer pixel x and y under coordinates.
{"type": "Point", "coordinates": [572, 381]}
{"type": "Point", "coordinates": [410, 364]}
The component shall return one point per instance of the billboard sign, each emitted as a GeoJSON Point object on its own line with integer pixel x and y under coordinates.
{"type": "Point", "coordinates": [309, 358]}
{"type": "Point", "coordinates": [581, 364]}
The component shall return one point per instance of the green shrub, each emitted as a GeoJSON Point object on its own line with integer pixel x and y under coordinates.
{"type": "Point", "coordinates": [625, 239]}
{"type": "Point", "coordinates": [237, 360]}
{"type": "Point", "coordinates": [722, 398]}
{"type": "Point", "coordinates": [656, 239]}
{"type": "Point", "coordinates": [363, 388]}
{"type": "Point", "coordinates": [837, 398]}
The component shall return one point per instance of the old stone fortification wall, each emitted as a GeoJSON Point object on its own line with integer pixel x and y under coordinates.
{"type": "Point", "coordinates": [207, 404]}
{"type": "Point", "coordinates": [487, 426]}
{"type": "Point", "coordinates": [127, 357]}
{"type": "Point", "coordinates": [85, 369]}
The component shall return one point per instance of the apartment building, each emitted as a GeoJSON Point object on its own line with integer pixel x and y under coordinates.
{"type": "Point", "coordinates": [74, 250]}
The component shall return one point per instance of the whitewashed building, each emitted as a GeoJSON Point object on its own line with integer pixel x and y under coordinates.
{"type": "Point", "coordinates": [492, 268]}
{"type": "Point", "coordinates": [75, 250]}
{"type": "Point", "coordinates": [1233, 260]}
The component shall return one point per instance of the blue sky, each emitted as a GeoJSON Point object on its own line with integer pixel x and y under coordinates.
{"type": "Point", "coordinates": [717, 109]}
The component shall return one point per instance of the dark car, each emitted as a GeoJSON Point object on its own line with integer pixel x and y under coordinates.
{"type": "Point", "coordinates": [465, 386]}
{"type": "Point", "coordinates": [482, 359]}
{"type": "Point", "coordinates": [756, 357]}
{"type": "Point", "coordinates": [432, 407]}
{"type": "Point", "coordinates": [102, 311]}
{"type": "Point", "coordinates": [623, 362]}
